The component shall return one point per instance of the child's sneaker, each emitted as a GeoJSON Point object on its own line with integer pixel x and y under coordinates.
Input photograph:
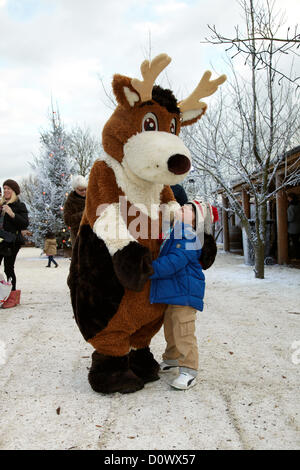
{"type": "Point", "coordinates": [166, 366]}
{"type": "Point", "coordinates": [184, 381]}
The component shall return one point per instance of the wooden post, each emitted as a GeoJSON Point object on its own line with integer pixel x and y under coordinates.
{"type": "Point", "coordinates": [282, 226]}
{"type": "Point", "coordinates": [226, 241]}
{"type": "Point", "coordinates": [246, 203]}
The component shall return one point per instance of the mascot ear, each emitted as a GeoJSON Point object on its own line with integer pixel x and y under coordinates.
{"type": "Point", "coordinates": [190, 117]}
{"type": "Point", "coordinates": [126, 95]}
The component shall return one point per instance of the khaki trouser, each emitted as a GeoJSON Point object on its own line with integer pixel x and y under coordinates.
{"type": "Point", "coordinates": [179, 329]}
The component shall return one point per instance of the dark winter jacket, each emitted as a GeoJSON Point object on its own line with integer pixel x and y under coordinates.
{"type": "Point", "coordinates": [178, 278]}
{"type": "Point", "coordinates": [73, 210]}
{"type": "Point", "coordinates": [18, 223]}
{"type": "Point", "coordinates": [293, 214]}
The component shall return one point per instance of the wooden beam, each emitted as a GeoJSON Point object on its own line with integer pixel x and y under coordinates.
{"type": "Point", "coordinates": [246, 203]}
{"type": "Point", "coordinates": [226, 241]}
{"type": "Point", "coordinates": [282, 225]}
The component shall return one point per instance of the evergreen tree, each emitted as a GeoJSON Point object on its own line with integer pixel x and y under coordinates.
{"type": "Point", "coordinates": [53, 181]}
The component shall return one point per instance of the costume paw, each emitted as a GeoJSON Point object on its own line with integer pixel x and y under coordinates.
{"type": "Point", "coordinates": [209, 251]}
{"type": "Point", "coordinates": [143, 364]}
{"type": "Point", "coordinates": [133, 266]}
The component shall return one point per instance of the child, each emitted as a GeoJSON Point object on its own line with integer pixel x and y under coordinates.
{"type": "Point", "coordinates": [179, 281]}
{"type": "Point", "coordinates": [50, 249]}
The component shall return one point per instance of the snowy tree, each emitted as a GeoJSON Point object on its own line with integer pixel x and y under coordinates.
{"type": "Point", "coordinates": [247, 133]}
{"type": "Point", "coordinates": [201, 186]}
{"type": "Point", "coordinates": [28, 187]}
{"type": "Point", "coordinates": [84, 149]}
{"type": "Point", "coordinates": [52, 171]}
{"type": "Point", "coordinates": [263, 31]}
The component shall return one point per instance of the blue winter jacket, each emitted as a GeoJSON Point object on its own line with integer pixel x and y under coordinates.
{"type": "Point", "coordinates": [178, 278]}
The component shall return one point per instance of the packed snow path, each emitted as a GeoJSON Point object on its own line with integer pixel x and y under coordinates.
{"type": "Point", "coordinates": [247, 395]}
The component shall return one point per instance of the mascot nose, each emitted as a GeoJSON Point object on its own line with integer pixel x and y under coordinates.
{"type": "Point", "coordinates": [179, 164]}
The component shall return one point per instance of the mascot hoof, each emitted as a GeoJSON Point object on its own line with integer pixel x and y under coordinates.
{"type": "Point", "coordinates": [110, 374]}
{"type": "Point", "coordinates": [209, 251]}
{"type": "Point", "coordinates": [133, 266]}
{"type": "Point", "coordinates": [143, 364]}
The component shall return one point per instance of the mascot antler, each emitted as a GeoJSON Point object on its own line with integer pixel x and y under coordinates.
{"type": "Point", "coordinates": [206, 87]}
{"type": "Point", "coordinates": [150, 71]}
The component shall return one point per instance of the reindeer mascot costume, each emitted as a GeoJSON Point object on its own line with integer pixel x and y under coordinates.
{"type": "Point", "coordinates": [119, 233]}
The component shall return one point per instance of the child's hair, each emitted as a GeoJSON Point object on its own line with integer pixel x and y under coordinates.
{"type": "Point", "coordinates": [50, 235]}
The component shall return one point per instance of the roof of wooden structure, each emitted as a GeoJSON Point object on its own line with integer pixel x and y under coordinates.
{"type": "Point", "coordinates": [288, 158]}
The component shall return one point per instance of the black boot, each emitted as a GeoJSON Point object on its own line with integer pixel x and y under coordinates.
{"type": "Point", "coordinates": [143, 364]}
{"type": "Point", "coordinates": [110, 374]}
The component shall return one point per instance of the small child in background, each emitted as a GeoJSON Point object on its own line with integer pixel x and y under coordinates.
{"type": "Point", "coordinates": [50, 249]}
{"type": "Point", "coordinates": [179, 281]}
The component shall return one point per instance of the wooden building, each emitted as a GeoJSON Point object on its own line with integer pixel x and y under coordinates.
{"type": "Point", "coordinates": [277, 209]}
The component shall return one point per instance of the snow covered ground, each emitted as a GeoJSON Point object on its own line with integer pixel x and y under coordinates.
{"type": "Point", "coordinates": [247, 396]}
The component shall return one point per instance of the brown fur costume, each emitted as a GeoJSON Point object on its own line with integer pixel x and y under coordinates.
{"type": "Point", "coordinates": [118, 238]}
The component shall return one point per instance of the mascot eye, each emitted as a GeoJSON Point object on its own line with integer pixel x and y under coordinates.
{"type": "Point", "coordinates": [173, 126]}
{"type": "Point", "coordinates": [150, 122]}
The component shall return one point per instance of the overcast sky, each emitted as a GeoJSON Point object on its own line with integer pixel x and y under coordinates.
{"type": "Point", "coordinates": [60, 48]}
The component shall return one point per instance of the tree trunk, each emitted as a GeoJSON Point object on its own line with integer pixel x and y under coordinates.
{"type": "Point", "coordinates": [259, 268]}
{"type": "Point", "coordinates": [226, 241]}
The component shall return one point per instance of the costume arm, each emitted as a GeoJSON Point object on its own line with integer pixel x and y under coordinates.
{"type": "Point", "coordinates": [104, 208]}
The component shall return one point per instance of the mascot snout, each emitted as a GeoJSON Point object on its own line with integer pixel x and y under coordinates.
{"type": "Point", "coordinates": [179, 164]}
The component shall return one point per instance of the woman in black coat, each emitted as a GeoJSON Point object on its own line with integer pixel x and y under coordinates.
{"type": "Point", "coordinates": [13, 219]}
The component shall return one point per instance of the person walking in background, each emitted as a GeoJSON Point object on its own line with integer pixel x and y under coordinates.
{"type": "Point", "coordinates": [50, 248]}
{"type": "Point", "coordinates": [13, 219]}
{"type": "Point", "coordinates": [293, 215]}
{"type": "Point", "coordinates": [74, 206]}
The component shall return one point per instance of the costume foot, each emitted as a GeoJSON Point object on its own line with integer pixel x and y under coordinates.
{"type": "Point", "coordinates": [110, 374]}
{"type": "Point", "coordinates": [143, 364]}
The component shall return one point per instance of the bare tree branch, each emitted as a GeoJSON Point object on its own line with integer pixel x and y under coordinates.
{"type": "Point", "coordinates": [244, 138]}
{"type": "Point", "coordinates": [261, 36]}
